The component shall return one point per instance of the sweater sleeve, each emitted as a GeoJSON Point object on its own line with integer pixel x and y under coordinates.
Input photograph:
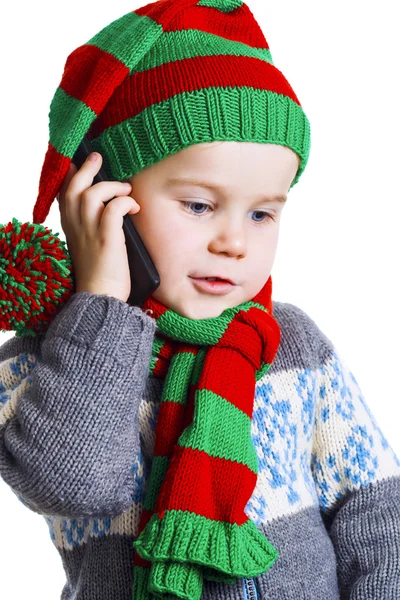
{"type": "Point", "coordinates": [69, 430]}
{"type": "Point", "coordinates": [357, 478]}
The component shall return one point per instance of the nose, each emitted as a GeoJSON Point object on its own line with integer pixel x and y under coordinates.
{"type": "Point", "coordinates": [230, 239]}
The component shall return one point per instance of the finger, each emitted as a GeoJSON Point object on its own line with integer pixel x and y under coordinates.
{"type": "Point", "coordinates": [93, 199]}
{"type": "Point", "coordinates": [81, 180]}
{"type": "Point", "coordinates": [113, 215]}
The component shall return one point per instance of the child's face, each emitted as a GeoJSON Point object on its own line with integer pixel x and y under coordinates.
{"type": "Point", "coordinates": [229, 237]}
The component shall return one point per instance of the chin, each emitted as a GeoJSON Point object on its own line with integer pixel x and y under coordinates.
{"type": "Point", "coordinates": [197, 313]}
{"type": "Point", "coordinates": [193, 307]}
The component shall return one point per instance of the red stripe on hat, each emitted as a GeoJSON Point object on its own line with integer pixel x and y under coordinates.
{"type": "Point", "coordinates": [103, 73]}
{"type": "Point", "coordinates": [54, 170]}
{"type": "Point", "coordinates": [143, 89]}
{"type": "Point", "coordinates": [239, 25]}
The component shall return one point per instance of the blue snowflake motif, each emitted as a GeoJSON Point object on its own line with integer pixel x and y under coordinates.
{"type": "Point", "coordinates": [360, 463]}
{"type": "Point", "coordinates": [4, 396]}
{"type": "Point", "coordinates": [325, 413]}
{"type": "Point", "coordinates": [322, 488]}
{"type": "Point", "coordinates": [22, 360]}
{"type": "Point", "coordinates": [16, 369]}
{"type": "Point", "coordinates": [276, 440]}
{"type": "Point", "coordinates": [15, 366]}
{"type": "Point", "coordinates": [357, 467]}
{"type": "Point", "coordinates": [257, 506]}
{"type": "Point", "coordinates": [306, 390]}
{"type": "Point", "coordinates": [76, 530]}
{"type": "Point", "coordinates": [344, 405]}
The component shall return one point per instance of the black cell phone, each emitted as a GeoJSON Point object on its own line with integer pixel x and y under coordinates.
{"type": "Point", "coordinates": [144, 275]}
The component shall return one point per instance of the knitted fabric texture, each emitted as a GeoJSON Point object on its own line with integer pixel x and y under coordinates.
{"type": "Point", "coordinates": [166, 76]}
{"type": "Point", "coordinates": [204, 470]}
{"type": "Point", "coordinates": [155, 81]}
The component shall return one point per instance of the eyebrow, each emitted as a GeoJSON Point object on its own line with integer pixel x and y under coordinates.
{"type": "Point", "coordinates": [213, 186]}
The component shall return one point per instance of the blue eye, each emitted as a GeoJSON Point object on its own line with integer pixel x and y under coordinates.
{"type": "Point", "coordinates": [202, 204]}
{"type": "Point", "coordinates": [261, 212]}
{"type": "Point", "coordinates": [195, 203]}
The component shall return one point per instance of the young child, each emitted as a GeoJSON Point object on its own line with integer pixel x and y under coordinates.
{"type": "Point", "coordinates": [211, 443]}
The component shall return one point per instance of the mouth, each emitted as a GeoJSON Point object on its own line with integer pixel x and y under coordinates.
{"type": "Point", "coordinates": [213, 285]}
{"type": "Point", "coordinates": [217, 278]}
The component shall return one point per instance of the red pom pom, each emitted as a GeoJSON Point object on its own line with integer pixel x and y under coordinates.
{"type": "Point", "coordinates": [35, 277]}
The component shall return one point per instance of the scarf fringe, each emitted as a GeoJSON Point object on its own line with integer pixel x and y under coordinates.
{"type": "Point", "coordinates": [186, 548]}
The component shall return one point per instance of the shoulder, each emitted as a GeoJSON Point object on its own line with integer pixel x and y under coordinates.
{"type": "Point", "coordinates": [303, 344]}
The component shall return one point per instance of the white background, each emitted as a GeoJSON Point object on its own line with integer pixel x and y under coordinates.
{"type": "Point", "coordinates": [338, 251]}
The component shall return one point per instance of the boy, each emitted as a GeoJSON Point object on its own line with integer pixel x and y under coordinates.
{"type": "Point", "coordinates": [130, 432]}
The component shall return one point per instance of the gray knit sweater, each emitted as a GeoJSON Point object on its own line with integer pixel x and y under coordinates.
{"type": "Point", "coordinates": [77, 417]}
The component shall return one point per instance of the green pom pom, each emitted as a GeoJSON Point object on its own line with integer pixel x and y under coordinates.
{"type": "Point", "coordinates": [35, 277]}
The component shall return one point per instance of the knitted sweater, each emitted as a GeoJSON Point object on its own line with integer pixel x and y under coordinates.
{"type": "Point", "coordinates": [77, 417]}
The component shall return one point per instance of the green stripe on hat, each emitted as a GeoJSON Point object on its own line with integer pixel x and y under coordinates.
{"type": "Point", "coordinates": [69, 120]}
{"type": "Point", "coordinates": [189, 43]}
{"type": "Point", "coordinates": [197, 117]}
{"type": "Point", "coordinates": [128, 37]}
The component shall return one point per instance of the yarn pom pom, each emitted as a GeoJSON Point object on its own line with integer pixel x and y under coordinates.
{"type": "Point", "coordinates": [35, 277]}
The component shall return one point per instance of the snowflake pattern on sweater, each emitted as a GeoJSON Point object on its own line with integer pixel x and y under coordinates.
{"type": "Point", "coordinates": [317, 442]}
{"type": "Point", "coordinates": [348, 451]}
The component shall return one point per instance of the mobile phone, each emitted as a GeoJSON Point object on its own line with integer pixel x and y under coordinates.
{"type": "Point", "coordinates": [144, 275]}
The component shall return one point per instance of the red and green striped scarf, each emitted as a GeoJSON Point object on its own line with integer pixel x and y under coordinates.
{"type": "Point", "coordinates": [193, 525]}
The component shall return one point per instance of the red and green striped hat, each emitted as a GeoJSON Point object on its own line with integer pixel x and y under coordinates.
{"type": "Point", "coordinates": [163, 77]}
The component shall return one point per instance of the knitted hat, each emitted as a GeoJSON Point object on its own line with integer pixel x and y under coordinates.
{"type": "Point", "coordinates": [161, 78]}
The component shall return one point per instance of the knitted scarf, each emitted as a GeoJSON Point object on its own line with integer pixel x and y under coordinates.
{"type": "Point", "coordinates": [204, 470]}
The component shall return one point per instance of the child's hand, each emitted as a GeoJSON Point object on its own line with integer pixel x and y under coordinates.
{"type": "Point", "coordinates": [95, 238]}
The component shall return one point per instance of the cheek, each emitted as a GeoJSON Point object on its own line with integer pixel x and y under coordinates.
{"type": "Point", "coordinates": [261, 257]}
{"type": "Point", "coordinates": [173, 244]}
